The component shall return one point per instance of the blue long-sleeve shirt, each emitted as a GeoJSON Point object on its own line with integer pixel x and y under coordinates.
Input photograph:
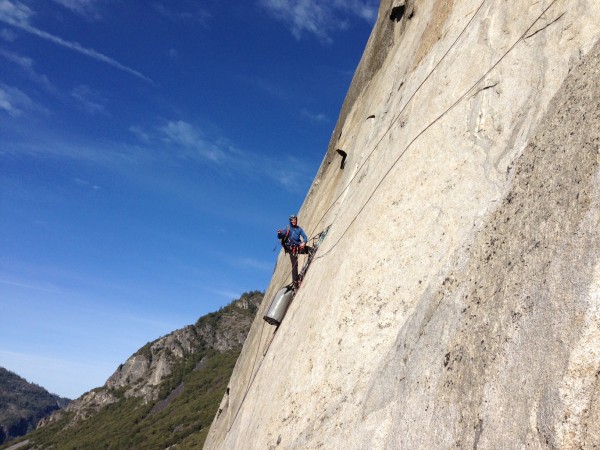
{"type": "Point", "coordinates": [295, 234]}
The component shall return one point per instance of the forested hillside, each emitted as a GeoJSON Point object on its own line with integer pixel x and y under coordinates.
{"type": "Point", "coordinates": [166, 394]}
{"type": "Point", "coordinates": [23, 404]}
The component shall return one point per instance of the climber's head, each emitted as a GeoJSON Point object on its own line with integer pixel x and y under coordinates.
{"type": "Point", "coordinates": [293, 220]}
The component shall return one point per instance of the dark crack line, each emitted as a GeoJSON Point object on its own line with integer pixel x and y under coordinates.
{"type": "Point", "coordinates": [485, 88]}
{"type": "Point", "coordinates": [543, 28]}
{"type": "Point", "coordinates": [490, 86]}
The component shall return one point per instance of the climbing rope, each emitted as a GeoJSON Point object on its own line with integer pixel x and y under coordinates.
{"type": "Point", "coordinates": [397, 117]}
{"type": "Point", "coordinates": [459, 100]}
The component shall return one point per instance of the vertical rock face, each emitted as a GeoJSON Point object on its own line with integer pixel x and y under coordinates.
{"type": "Point", "coordinates": [455, 300]}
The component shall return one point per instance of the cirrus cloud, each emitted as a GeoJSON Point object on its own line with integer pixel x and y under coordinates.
{"type": "Point", "coordinates": [85, 8]}
{"type": "Point", "coordinates": [18, 15]}
{"type": "Point", "coordinates": [14, 101]}
{"type": "Point", "coordinates": [320, 18]}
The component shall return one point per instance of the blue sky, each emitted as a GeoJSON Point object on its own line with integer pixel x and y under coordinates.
{"type": "Point", "coordinates": [148, 152]}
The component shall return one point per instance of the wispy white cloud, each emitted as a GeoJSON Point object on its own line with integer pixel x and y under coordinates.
{"type": "Point", "coordinates": [14, 13]}
{"type": "Point", "coordinates": [291, 173]}
{"type": "Point", "coordinates": [315, 117]}
{"type": "Point", "coordinates": [27, 65]}
{"type": "Point", "coordinates": [7, 100]}
{"type": "Point", "coordinates": [192, 144]}
{"type": "Point", "coordinates": [320, 18]}
{"type": "Point", "coordinates": [197, 15]}
{"type": "Point", "coordinates": [173, 144]}
{"type": "Point", "coordinates": [140, 133]}
{"type": "Point", "coordinates": [15, 102]}
{"type": "Point", "coordinates": [28, 285]}
{"type": "Point", "coordinates": [303, 16]}
{"type": "Point", "coordinates": [190, 141]}
{"type": "Point", "coordinates": [288, 171]}
{"type": "Point", "coordinates": [231, 295]}
{"type": "Point", "coordinates": [85, 8]}
{"type": "Point", "coordinates": [8, 35]}
{"type": "Point", "coordinates": [86, 184]}
{"type": "Point", "coordinates": [89, 99]}
{"type": "Point", "coordinates": [18, 15]}
{"type": "Point", "coordinates": [268, 87]}
{"type": "Point", "coordinates": [364, 9]}
{"type": "Point", "coordinates": [50, 144]}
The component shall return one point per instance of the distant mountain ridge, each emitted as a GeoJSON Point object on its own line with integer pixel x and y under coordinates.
{"type": "Point", "coordinates": [23, 405]}
{"type": "Point", "coordinates": [165, 394]}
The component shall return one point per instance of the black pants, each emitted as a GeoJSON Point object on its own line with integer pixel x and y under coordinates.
{"type": "Point", "coordinates": [294, 252]}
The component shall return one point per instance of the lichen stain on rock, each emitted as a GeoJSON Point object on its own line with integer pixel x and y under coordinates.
{"type": "Point", "coordinates": [435, 27]}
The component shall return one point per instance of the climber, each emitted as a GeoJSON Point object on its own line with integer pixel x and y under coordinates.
{"type": "Point", "coordinates": [294, 241]}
